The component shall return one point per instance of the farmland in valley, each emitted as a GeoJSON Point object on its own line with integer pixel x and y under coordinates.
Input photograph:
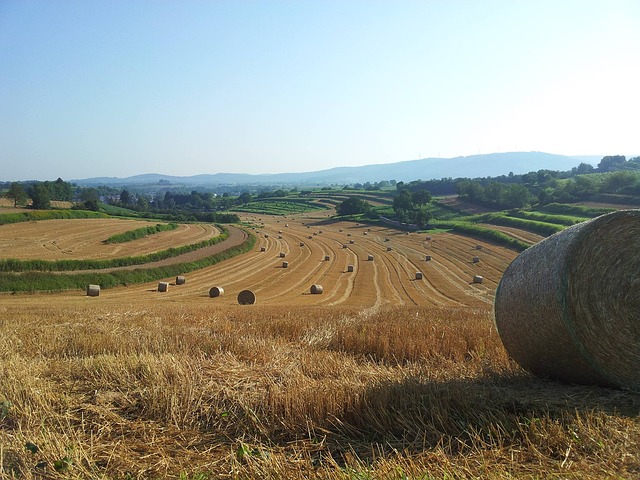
{"type": "Point", "coordinates": [381, 376]}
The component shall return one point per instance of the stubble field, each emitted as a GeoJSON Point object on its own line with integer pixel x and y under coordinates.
{"type": "Point", "coordinates": [381, 376]}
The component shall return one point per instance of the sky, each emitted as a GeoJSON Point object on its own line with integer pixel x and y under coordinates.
{"type": "Point", "coordinates": [117, 88]}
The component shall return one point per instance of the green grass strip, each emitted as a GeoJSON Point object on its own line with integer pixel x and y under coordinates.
{"type": "Point", "coordinates": [540, 228]}
{"type": "Point", "coordinates": [17, 217]}
{"type": "Point", "coordinates": [13, 265]}
{"type": "Point", "coordinates": [565, 220]}
{"type": "Point", "coordinates": [43, 281]}
{"type": "Point", "coordinates": [494, 236]}
{"type": "Point", "coordinates": [141, 233]}
{"type": "Point", "coordinates": [577, 210]}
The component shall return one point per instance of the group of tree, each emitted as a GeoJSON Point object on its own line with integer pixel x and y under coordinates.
{"type": "Point", "coordinates": [410, 205]}
{"type": "Point", "coordinates": [40, 193]}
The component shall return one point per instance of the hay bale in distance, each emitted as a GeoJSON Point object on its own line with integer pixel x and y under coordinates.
{"type": "Point", "coordinates": [418, 275]}
{"type": "Point", "coordinates": [478, 247]}
{"type": "Point", "coordinates": [352, 241]}
{"type": "Point", "coordinates": [345, 246]}
{"type": "Point", "coordinates": [389, 249]}
{"type": "Point", "coordinates": [326, 258]}
{"type": "Point", "coordinates": [163, 286]}
{"type": "Point", "coordinates": [285, 264]}
{"type": "Point", "coordinates": [478, 279]}
{"type": "Point", "coordinates": [366, 233]}
{"type": "Point", "coordinates": [370, 258]}
{"type": "Point", "coordinates": [349, 268]}
{"type": "Point", "coordinates": [282, 254]}
{"type": "Point", "coordinates": [181, 280]}
{"type": "Point", "coordinates": [428, 238]}
{"type": "Point", "coordinates": [568, 306]}
{"type": "Point", "coordinates": [476, 259]}
{"type": "Point", "coordinates": [386, 239]}
{"type": "Point", "coordinates": [263, 249]}
{"type": "Point", "coordinates": [316, 289]}
{"type": "Point", "coordinates": [216, 292]}
{"type": "Point", "coordinates": [302, 244]}
{"type": "Point", "coordinates": [93, 290]}
{"type": "Point", "coordinates": [427, 258]}
{"type": "Point", "coordinates": [246, 297]}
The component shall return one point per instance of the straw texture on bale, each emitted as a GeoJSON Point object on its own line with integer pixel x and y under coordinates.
{"type": "Point", "coordinates": [246, 297]}
{"type": "Point", "coordinates": [316, 289]}
{"type": "Point", "coordinates": [216, 292]}
{"type": "Point", "coordinates": [93, 290]}
{"type": "Point", "coordinates": [180, 280]}
{"type": "Point", "coordinates": [163, 286]}
{"type": "Point", "coordinates": [349, 268]}
{"type": "Point", "coordinates": [478, 279]}
{"type": "Point", "coordinates": [567, 308]}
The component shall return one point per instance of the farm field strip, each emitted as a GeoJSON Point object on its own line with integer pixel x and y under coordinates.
{"type": "Point", "coordinates": [80, 239]}
{"type": "Point", "coordinates": [516, 233]}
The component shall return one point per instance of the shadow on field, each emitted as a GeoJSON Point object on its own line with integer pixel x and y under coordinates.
{"type": "Point", "coordinates": [414, 415]}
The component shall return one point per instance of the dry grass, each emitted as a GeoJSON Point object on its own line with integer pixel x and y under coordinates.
{"type": "Point", "coordinates": [147, 391]}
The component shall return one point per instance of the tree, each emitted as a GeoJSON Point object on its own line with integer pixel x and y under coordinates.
{"type": "Point", "coordinates": [90, 199]}
{"type": "Point", "coordinates": [17, 194]}
{"type": "Point", "coordinates": [41, 200]}
{"type": "Point", "coordinates": [421, 197]}
{"type": "Point", "coordinates": [125, 197]}
{"type": "Point", "coordinates": [353, 206]}
{"type": "Point", "coordinates": [611, 163]}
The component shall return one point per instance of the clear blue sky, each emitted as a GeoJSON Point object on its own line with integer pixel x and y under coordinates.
{"type": "Point", "coordinates": [123, 87]}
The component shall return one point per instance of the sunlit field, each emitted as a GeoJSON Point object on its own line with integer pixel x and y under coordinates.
{"type": "Point", "coordinates": [380, 376]}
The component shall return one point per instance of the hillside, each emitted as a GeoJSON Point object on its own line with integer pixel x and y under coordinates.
{"type": "Point", "coordinates": [493, 164]}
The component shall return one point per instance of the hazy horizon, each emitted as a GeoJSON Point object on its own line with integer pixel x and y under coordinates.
{"type": "Point", "coordinates": [97, 88]}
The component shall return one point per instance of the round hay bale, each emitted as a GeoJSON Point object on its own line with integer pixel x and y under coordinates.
{"type": "Point", "coordinates": [310, 237]}
{"type": "Point", "coordinates": [246, 297]}
{"type": "Point", "coordinates": [345, 246]}
{"type": "Point", "coordinates": [280, 232]}
{"type": "Point", "coordinates": [163, 286]}
{"type": "Point", "coordinates": [326, 258]}
{"type": "Point", "coordinates": [478, 279]}
{"type": "Point", "coordinates": [366, 233]}
{"type": "Point", "coordinates": [418, 275]}
{"type": "Point", "coordinates": [478, 247]}
{"type": "Point", "coordinates": [370, 258]}
{"type": "Point", "coordinates": [180, 280]}
{"type": "Point", "coordinates": [266, 236]}
{"type": "Point", "coordinates": [348, 234]}
{"type": "Point", "coordinates": [349, 268]}
{"type": "Point", "coordinates": [316, 289]}
{"type": "Point", "coordinates": [340, 230]}
{"type": "Point", "coordinates": [285, 264]}
{"type": "Point", "coordinates": [302, 244]}
{"type": "Point", "coordinates": [476, 259]}
{"type": "Point", "coordinates": [319, 231]}
{"type": "Point", "coordinates": [427, 258]}
{"type": "Point", "coordinates": [352, 241]}
{"type": "Point", "coordinates": [428, 238]}
{"type": "Point", "coordinates": [282, 254]}
{"type": "Point", "coordinates": [567, 308]}
{"type": "Point", "coordinates": [279, 237]}
{"type": "Point", "coordinates": [389, 249]}
{"type": "Point", "coordinates": [93, 290]}
{"type": "Point", "coordinates": [263, 249]}
{"type": "Point", "coordinates": [286, 225]}
{"type": "Point", "coordinates": [386, 239]}
{"type": "Point", "coordinates": [216, 292]}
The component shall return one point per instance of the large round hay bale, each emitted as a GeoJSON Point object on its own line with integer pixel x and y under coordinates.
{"type": "Point", "coordinates": [163, 286]}
{"type": "Point", "coordinates": [246, 297]}
{"type": "Point", "coordinates": [181, 280]}
{"type": "Point", "coordinates": [567, 308]}
{"type": "Point", "coordinates": [216, 292]}
{"type": "Point", "coordinates": [93, 290]}
{"type": "Point", "coordinates": [316, 289]}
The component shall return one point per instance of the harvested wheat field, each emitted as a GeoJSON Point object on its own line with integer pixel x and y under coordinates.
{"type": "Point", "coordinates": [380, 376]}
{"type": "Point", "coordinates": [81, 239]}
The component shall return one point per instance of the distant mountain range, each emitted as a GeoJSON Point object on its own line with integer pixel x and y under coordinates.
{"type": "Point", "coordinates": [473, 166]}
